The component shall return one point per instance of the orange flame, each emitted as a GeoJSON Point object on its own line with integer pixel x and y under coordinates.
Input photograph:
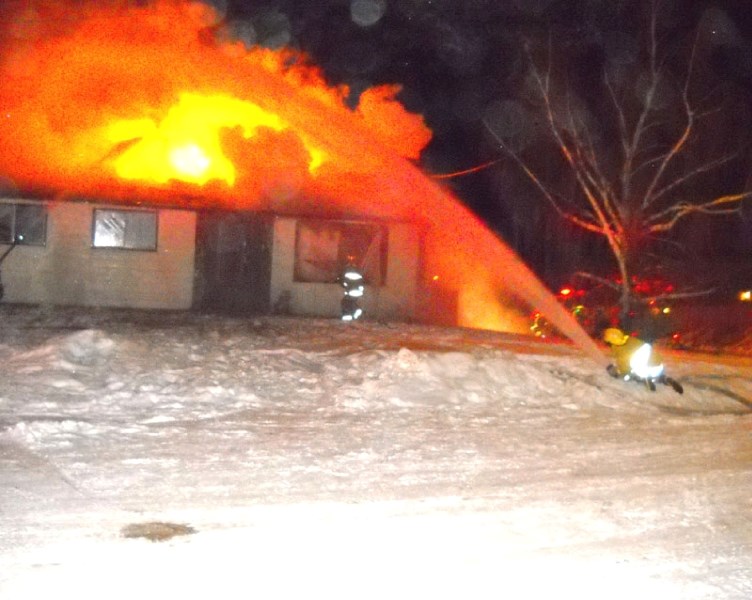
{"type": "Point", "coordinates": [151, 103]}
{"type": "Point", "coordinates": [143, 99]}
{"type": "Point", "coordinates": [186, 144]}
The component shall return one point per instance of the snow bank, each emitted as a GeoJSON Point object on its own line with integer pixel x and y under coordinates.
{"type": "Point", "coordinates": [294, 457]}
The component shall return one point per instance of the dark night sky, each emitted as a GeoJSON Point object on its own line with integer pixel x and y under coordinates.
{"type": "Point", "coordinates": [455, 57]}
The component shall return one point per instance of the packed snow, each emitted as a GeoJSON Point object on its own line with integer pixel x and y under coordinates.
{"type": "Point", "coordinates": [175, 455]}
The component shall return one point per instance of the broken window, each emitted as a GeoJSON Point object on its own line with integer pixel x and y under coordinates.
{"type": "Point", "coordinates": [129, 229]}
{"type": "Point", "coordinates": [323, 248]}
{"type": "Point", "coordinates": [23, 224]}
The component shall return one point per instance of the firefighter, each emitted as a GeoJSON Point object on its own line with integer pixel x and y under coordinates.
{"type": "Point", "coordinates": [636, 359]}
{"type": "Point", "coordinates": [353, 283]}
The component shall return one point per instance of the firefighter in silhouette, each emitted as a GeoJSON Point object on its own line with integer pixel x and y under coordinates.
{"type": "Point", "coordinates": [636, 360]}
{"type": "Point", "coordinates": [353, 283]}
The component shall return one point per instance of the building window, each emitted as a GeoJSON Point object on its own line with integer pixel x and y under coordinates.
{"type": "Point", "coordinates": [323, 248]}
{"type": "Point", "coordinates": [23, 224]}
{"type": "Point", "coordinates": [128, 229]}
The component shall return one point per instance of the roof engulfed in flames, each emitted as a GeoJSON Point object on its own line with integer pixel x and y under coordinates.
{"type": "Point", "coordinates": [151, 99]}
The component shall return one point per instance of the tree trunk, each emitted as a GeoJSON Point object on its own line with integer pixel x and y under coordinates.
{"type": "Point", "coordinates": [625, 297]}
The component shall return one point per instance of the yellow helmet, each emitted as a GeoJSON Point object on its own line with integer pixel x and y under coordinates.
{"type": "Point", "coordinates": [615, 336]}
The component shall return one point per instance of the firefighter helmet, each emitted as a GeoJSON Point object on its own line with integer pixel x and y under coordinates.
{"type": "Point", "coordinates": [614, 336]}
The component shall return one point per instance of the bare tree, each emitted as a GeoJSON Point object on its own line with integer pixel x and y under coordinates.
{"type": "Point", "coordinates": [636, 152]}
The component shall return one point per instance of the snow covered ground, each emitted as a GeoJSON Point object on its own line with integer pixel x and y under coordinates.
{"type": "Point", "coordinates": [155, 455]}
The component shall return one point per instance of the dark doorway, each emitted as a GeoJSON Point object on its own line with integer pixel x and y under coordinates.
{"type": "Point", "coordinates": [233, 262]}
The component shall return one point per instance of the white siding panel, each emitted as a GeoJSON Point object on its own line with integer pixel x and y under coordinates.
{"type": "Point", "coordinates": [69, 271]}
{"type": "Point", "coordinates": [398, 296]}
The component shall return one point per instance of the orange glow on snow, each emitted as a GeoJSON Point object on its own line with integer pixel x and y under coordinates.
{"type": "Point", "coordinates": [154, 103]}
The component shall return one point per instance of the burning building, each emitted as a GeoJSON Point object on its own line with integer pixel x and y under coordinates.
{"type": "Point", "coordinates": [150, 160]}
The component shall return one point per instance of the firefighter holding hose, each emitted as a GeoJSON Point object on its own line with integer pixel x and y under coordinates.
{"type": "Point", "coordinates": [635, 359]}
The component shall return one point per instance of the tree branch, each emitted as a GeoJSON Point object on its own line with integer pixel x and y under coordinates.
{"type": "Point", "coordinates": [704, 168]}
{"type": "Point", "coordinates": [666, 219]}
{"type": "Point", "coordinates": [684, 135]}
{"type": "Point", "coordinates": [579, 220]}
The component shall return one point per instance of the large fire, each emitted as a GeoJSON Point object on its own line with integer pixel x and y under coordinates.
{"type": "Point", "coordinates": [186, 144]}
{"type": "Point", "coordinates": [155, 102]}
{"type": "Point", "coordinates": [146, 96]}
